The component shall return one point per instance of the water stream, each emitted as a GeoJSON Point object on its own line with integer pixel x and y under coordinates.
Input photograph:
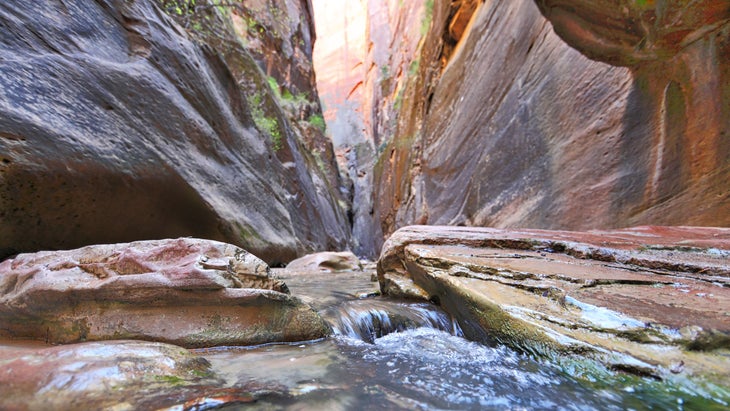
{"type": "Point", "coordinates": [405, 355]}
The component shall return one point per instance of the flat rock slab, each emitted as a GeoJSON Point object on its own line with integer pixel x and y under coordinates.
{"type": "Point", "coordinates": [190, 292]}
{"type": "Point", "coordinates": [118, 375]}
{"type": "Point", "coordinates": [649, 300]}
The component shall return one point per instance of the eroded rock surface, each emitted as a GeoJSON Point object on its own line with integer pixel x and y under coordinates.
{"type": "Point", "coordinates": [509, 124]}
{"type": "Point", "coordinates": [636, 31]}
{"type": "Point", "coordinates": [119, 375]}
{"type": "Point", "coordinates": [190, 292]}
{"type": "Point", "coordinates": [118, 124]}
{"type": "Point", "coordinates": [648, 300]}
{"type": "Point", "coordinates": [363, 56]}
{"type": "Point", "coordinates": [326, 261]}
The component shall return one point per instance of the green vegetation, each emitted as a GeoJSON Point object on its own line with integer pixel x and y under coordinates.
{"type": "Point", "coordinates": [190, 7]}
{"type": "Point", "coordinates": [179, 7]}
{"type": "Point", "coordinates": [384, 72]}
{"type": "Point", "coordinates": [398, 102]}
{"type": "Point", "coordinates": [413, 67]}
{"type": "Point", "coordinates": [207, 21]}
{"type": "Point", "coordinates": [318, 121]}
{"type": "Point", "coordinates": [170, 379]}
{"type": "Point", "coordinates": [427, 17]}
{"type": "Point", "coordinates": [382, 146]}
{"type": "Point", "coordinates": [320, 163]}
{"type": "Point", "coordinates": [284, 95]}
{"type": "Point", "coordinates": [274, 85]}
{"type": "Point", "coordinates": [265, 124]}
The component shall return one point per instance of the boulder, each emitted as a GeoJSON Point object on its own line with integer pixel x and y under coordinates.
{"type": "Point", "coordinates": [190, 292]}
{"type": "Point", "coordinates": [118, 375]}
{"type": "Point", "coordinates": [326, 261]}
{"type": "Point", "coordinates": [647, 300]}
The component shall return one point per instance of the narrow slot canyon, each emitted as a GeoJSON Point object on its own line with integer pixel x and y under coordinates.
{"type": "Point", "coordinates": [364, 204]}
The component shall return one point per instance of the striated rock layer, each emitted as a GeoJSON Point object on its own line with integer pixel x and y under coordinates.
{"type": "Point", "coordinates": [118, 124]}
{"type": "Point", "coordinates": [189, 292]}
{"type": "Point", "coordinates": [504, 124]}
{"type": "Point", "coordinates": [647, 300]}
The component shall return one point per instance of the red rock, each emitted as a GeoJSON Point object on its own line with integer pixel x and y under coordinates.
{"type": "Point", "coordinates": [354, 79]}
{"type": "Point", "coordinates": [636, 31]}
{"type": "Point", "coordinates": [189, 292]}
{"type": "Point", "coordinates": [464, 9]}
{"type": "Point", "coordinates": [118, 375]}
{"type": "Point", "coordinates": [100, 375]}
{"type": "Point", "coordinates": [514, 128]}
{"type": "Point", "coordinates": [641, 299]}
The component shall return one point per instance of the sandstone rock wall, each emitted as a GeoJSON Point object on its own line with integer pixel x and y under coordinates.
{"type": "Point", "coordinates": [357, 80]}
{"type": "Point", "coordinates": [118, 123]}
{"type": "Point", "coordinates": [508, 125]}
{"type": "Point", "coordinates": [280, 36]}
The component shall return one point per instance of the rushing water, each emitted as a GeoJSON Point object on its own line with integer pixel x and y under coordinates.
{"type": "Point", "coordinates": [406, 355]}
{"type": "Point", "coordinates": [370, 319]}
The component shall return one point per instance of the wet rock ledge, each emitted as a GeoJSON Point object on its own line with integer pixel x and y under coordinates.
{"type": "Point", "coordinates": [652, 301]}
{"type": "Point", "coordinates": [188, 292]}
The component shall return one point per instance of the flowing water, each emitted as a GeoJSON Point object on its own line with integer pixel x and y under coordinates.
{"type": "Point", "coordinates": [406, 355]}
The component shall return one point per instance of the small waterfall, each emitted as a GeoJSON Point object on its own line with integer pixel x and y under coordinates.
{"type": "Point", "coordinates": [368, 319]}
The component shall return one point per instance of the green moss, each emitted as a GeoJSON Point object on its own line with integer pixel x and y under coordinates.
{"type": "Point", "coordinates": [318, 121]}
{"type": "Point", "coordinates": [170, 379]}
{"type": "Point", "coordinates": [265, 124]}
{"type": "Point", "coordinates": [247, 233]}
{"type": "Point", "coordinates": [202, 374]}
{"type": "Point", "coordinates": [398, 102]}
{"type": "Point", "coordinates": [274, 85]}
{"type": "Point", "coordinates": [384, 72]}
{"type": "Point", "coordinates": [320, 163]}
{"type": "Point", "coordinates": [413, 68]}
{"type": "Point", "coordinates": [427, 17]}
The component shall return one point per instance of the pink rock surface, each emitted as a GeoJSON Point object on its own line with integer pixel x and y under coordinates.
{"type": "Point", "coordinates": [186, 291]}
{"type": "Point", "coordinates": [645, 299]}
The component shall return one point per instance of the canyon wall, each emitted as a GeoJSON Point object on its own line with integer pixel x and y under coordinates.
{"type": "Point", "coordinates": [363, 56]}
{"type": "Point", "coordinates": [123, 121]}
{"type": "Point", "coordinates": [620, 119]}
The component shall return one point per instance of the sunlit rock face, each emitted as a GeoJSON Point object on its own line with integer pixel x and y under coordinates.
{"type": "Point", "coordinates": [339, 58]}
{"type": "Point", "coordinates": [120, 123]}
{"type": "Point", "coordinates": [510, 126]}
{"type": "Point", "coordinates": [363, 55]}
